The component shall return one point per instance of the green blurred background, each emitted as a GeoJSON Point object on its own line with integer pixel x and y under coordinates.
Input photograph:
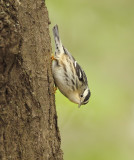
{"type": "Point", "coordinates": [100, 35]}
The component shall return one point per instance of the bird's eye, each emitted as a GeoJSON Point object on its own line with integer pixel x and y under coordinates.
{"type": "Point", "coordinates": [81, 95]}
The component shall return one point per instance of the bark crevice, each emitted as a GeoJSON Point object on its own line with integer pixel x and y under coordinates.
{"type": "Point", "coordinates": [28, 119]}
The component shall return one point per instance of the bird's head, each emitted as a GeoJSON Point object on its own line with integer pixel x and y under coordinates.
{"type": "Point", "coordinates": [84, 97]}
{"type": "Point", "coordinates": [80, 98]}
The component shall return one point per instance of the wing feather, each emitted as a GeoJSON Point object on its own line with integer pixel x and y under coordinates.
{"type": "Point", "coordinates": [80, 73]}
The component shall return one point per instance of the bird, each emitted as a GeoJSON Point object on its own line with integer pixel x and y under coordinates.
{"type": "Point", "coordinates": [68, 75]}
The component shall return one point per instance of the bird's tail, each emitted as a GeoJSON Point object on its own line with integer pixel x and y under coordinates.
{"type": "Point", "coordinates": [58, 44]}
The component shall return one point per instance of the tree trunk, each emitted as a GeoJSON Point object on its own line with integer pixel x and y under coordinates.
{"type": "Point", "coordinates": [28, 120]}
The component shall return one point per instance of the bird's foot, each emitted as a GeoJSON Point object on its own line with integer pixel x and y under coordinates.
{"type": "Point", "coordinates": [55, 89]}
{"type": "Point", "coordinates": [53, 58]}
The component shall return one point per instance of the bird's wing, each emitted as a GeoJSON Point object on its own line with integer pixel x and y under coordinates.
{"type": "Point", "coordinates": [80, 73]}
{"type": "Point", "coordinates": [68, 53]}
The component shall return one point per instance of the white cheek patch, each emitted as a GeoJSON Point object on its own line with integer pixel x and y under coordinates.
{"type": "Point", "coordinates": [85, 93]}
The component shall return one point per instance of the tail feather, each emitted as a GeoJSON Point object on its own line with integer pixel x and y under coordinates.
{"type": "Point", "coordinates": [56, 32]}
{"type": "Point", "coordinates": [58, 44]}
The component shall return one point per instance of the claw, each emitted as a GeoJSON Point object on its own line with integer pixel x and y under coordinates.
{"type": "Point", "coordinates": [53, 58]}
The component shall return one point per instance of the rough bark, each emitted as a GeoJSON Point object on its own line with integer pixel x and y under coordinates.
{"type": "Point", "coordinates": [28, 120]}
